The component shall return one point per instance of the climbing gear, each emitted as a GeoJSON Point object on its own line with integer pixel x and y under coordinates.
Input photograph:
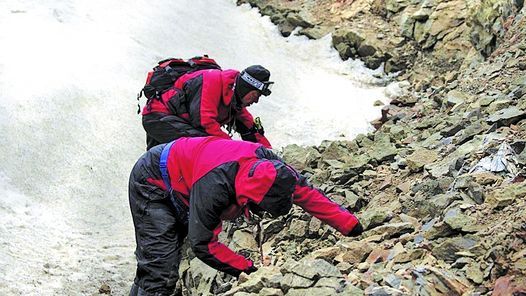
{"type": "Point", "coordinates": [164, 75]}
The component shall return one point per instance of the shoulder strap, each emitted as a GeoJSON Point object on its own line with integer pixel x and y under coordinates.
{"type": "Point", "coordinates": [163, 165]}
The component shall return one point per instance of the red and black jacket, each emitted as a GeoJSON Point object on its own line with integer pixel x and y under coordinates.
{"type": "Point", "coordinates": [221, 177]}
{"type": "Point", "coordinates": [206, 100]}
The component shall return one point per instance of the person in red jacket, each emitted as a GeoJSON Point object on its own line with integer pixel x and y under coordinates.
{"type": "Point", "coordinates": [201, 102]}
{"type": "Point", "coordinates": [189, 186]}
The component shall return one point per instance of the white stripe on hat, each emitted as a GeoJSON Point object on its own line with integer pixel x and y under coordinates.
{"type": "Point", "coordinates": [252, 81]}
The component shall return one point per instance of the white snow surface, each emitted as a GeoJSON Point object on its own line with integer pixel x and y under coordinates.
{"type": "Point", "coordinates": [69, 74]}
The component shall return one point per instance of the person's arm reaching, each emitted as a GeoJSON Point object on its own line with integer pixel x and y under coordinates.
{"type": "Point", "coordinates": [208, 199]}
{"type": "Point", "coordinates": [317, 204]}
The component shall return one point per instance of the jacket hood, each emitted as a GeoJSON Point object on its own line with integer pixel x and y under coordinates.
{"type": "Point", "coordinates": [267, 183]}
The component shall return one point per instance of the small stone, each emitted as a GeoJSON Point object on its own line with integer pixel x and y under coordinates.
{"type": "Point", "coordinates": [105, 289]}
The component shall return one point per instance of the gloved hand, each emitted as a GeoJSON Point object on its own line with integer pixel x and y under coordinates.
{"type": "Point", "coordinates": [357, 230]}
{"type": "Point", "coordinates": [251, 269]}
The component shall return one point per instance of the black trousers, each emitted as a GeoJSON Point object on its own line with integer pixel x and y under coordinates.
{"type": "Point", "coordinates": [162, 128]}
{"type": "Point", "coordinates": [159, 234]}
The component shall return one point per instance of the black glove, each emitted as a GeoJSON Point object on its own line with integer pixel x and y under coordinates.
{"type": "Point", "coordinates": [357, 230]}
{"type": "Point", "coordinates": [251, 269]}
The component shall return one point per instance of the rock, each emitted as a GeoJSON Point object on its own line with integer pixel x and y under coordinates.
{"type": "Point", "coordinates": [377, 255]}
{"type": "Point", "coordinates": [474, 273]}
{"type": "Point", "coordinates": [507, 116]}
{"type": "Point", "coordinates": [351, 290]}
{"type": "Point", "coordinates": [355, 252]}
{"type": "Point", "coordinates": [458, 221]}
{"type": "Point", "coordinates": [242, 240]}
{"type": "Point", "coordinates": [105, 289]}
{"type": "Point", "coordinates": [311, 291]}
{"type": "Point", "coordinates": [456, 97]}
{"type": "Point", "coordinates": [409, 255]}
{"type": "Point", "coordinates": [448, 248]}
{"type": "Point", "coordinates": [396, 5]}
{"type": "Point", "coordinates": [301, 157]}
{"type": "Point", "coordinates": [485, 178]}
{"type": "Point", "coordinates": [326, 254]}
{"type": "Point", "coordinates": [374, 217]}
{"type": "Point", "coordinates": [421, 157]}
{"type": "Point", "coordinates": [296, 20]}
{"type": "Point", "coordinates": [311, 268]}
{"type": "Point", "coordinates": [270, 292]}
{"type": "Point", "coordinates": [382, 291]}
{"type": "Point", "coordinates": [298, 228]}
{"type": "Point", "coordinates": [392, 230]}
{"type": "Point", "coordinates": [202, 276]}
{"type": "Point", "coordinates": [382, 151]}
{"type": "Point", "coordinates": [293, 281]}
{"type": "Point", "coordinates": [503, 197]}
{"type": "Point", "coordinates": [509, 285]}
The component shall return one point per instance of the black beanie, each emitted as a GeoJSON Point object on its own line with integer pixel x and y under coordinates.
{"type": "Point", "coordinates": [256, 71]}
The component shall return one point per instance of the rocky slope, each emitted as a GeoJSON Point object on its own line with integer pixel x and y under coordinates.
{"type": "Point", "coordinates": [439, 185]}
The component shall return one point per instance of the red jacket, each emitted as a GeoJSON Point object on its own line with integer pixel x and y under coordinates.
{"type": "Point", "coordinates": [206, 99]}
{"type": "Point", "coordinates": [221, 177]}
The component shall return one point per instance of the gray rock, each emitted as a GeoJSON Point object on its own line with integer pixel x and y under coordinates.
{"type": "Point", "coordinates": [459, 221]}
{"type": "Point", "coordinates": [376, 290]}
{"type": "Point", "coordinates": [298, 228]}
{"type": "Point", "coordinates": [311, 268]}
{"type": "Point", "coordinates": [374, 217]}
{"type": "Point", "coordinates": [293, 281]}
{"type": "Point", "coordinates": [507, 116]}
{"type": "Point", "coordinates": [448, 248]}
{"type": "Point", "coordinates": [391, 230]}
{"type": "Point", "coordinates": [243, 241]}
{"type": "Point", "coordinates": [421, 157]}
{"type": "Point", "coordinates": [315, 291]}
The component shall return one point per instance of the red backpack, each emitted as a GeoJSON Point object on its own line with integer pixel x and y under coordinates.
{"type": "Point", "coordinates": [164, 75]}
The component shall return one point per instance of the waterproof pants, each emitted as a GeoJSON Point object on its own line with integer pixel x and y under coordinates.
{"type": "Point", "coordinates": [162, 128]}
{"type": "Point", "coordinates": [158, 234]}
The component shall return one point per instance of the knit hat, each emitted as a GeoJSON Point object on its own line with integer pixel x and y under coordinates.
{"type": "Point", "coordinates": [255, 77]}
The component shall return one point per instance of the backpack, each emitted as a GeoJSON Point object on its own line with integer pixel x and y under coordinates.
{"type": "Point", "coordinates": [164, 75]}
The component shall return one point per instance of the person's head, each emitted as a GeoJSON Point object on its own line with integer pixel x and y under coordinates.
{"type": "Point", "coordinates": [268, 185]}
{"type": "Point", "coordinates": [251, 83]}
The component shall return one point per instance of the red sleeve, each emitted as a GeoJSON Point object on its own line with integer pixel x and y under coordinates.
{"type": "Point", "coordinates": [208, 199]}
{"type": "Point", "coordinates": [321, 207]}
{"type": "Point", "coordinates": [210, 99]}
